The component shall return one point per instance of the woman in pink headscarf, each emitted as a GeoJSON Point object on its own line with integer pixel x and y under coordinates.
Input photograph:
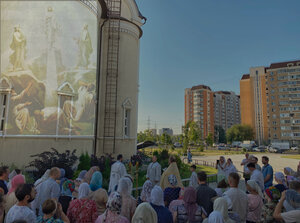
{"type": "Point", "coordinates": [189, 211]}
{"type": "Point", "coordinates": [11, 199]}
{"type": "Point", "coordinates": [88, 176]}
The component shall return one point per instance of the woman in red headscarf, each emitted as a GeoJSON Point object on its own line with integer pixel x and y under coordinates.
{"type": "Point", "coordinates": [11, 199]}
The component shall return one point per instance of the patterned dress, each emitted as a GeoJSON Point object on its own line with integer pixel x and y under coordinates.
{"type": "Point", "coordinates": [82, 211]}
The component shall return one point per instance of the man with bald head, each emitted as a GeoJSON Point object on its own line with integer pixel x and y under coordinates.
{"type": "Point", "coordinates": [49, 189]}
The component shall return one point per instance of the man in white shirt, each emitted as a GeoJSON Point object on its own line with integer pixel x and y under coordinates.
{"type": "Point", "coordinates": [194, 178]}
{"type": "Point", "coordinates": [256, 175]}
{"type": "Point", "coordinates": [236, 198]}
{"type": "Point", "coordinates": [154, 171]}
{"type": "Point", "coordinates": [118, 170]}
{"type": "Point", "coordinates": [25, 193]}
{"type": "Point", "coordinates": [288, 217]}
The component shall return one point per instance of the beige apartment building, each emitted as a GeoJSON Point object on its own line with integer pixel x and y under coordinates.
{"type": "Point", "coordinates": [283, 83]}
{"type": "Point", "coordinates": [270, 102]}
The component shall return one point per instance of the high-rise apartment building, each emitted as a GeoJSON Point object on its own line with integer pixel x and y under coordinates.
{"type": "Point", "coordinates": [253, 97]}
{"type": "Point", "coordinates": [283, 83]}
{"type": "Point", "coordinates": [199, 107]}
{"type": "Point", "coordinates": [226, 109]}
{"type": "Point", "coordinates": [270, 102]}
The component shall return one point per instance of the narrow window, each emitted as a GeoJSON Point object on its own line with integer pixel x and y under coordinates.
{"type": "Point", "coordinates": [127, 123]}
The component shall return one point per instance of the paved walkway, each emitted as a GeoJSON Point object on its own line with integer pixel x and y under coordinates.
{"type": "Point", "coordinates": [276, 161]}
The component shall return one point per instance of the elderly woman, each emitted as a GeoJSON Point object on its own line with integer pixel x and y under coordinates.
{"type": "Point", "coordinates": [100, 196]}
{"type": "Point", "coordinates": [272, 196]}
{"type": "Point", "coordinates": [113, 211]}
{"type": "Point", "coordinates": [220, 206]}
{"type": "Point", "coordinates": [11, 199]}
{"type": "Point", "coordinates": [88, 176]}
{"type": "Point", "coordinates": [221, 165]}
{"type": "Point", "coordinates": [229, 168]}
{"type": "Point", "coordinates": [96, 181]}
{"type": "Point", "coordinates": [144, 214]}
{"type": "Point", "coordinates": [189, 211]}
{"type": "Point", "coordinates": [171, 193]}
{"type": "Point", "coordinates": [128, 202]}
{"type": "Point", "coordinates": [82, 209]}
{"type": "Point", "coordinates": [289, 173]}
{"type": "Point", "coordinates": [157, 203]}
{"type": "Point", "coordinates": [255, 202]}
{"type": "Point", "coordinates": [146, 192]}
{"type": "Point", "coordinates": [42, 179]}
{"type": "Point", "coordinates": [281, 182]}
{"type": "Point", "coordinates": [292, 200]}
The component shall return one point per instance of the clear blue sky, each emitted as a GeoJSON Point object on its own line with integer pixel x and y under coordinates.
{"type": "Point", "coordinates": [212, 42]}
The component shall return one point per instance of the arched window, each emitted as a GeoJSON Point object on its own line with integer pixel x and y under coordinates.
{"type": "Point", "coordinates": [5, 90]}
{"type": "Point", "coordinates": [65, 107]}
{"type": "Point", "coordinates": [127, 106]}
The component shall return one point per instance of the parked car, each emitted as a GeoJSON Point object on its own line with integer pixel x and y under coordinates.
{"type": "Point", "coordinates": [177, 145]}
{"type": "Point", "coordinates": [259, 149]}
{"type": "Point", "coordinates": [223, 147]}
{"type": "Point", "coordinates": [294, 148]}
{"type": "Point", "coordinates": [276, 150]}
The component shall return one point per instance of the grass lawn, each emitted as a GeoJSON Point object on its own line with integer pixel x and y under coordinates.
{"type": "Point", "coordinates": [291, 157]}
{"type": "Point", "coordinates": [208, 152]}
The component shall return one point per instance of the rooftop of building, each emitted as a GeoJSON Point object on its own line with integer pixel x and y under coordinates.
{"type": "Point", "coordinates": [284, 64]}
{"type": "Point", "coordinates": [245, 76]}
{"type": "Point", "coordinates": [198, 87]}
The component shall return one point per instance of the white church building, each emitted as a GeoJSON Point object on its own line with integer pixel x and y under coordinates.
{"type": "Point", "coordinates": [69, 77]}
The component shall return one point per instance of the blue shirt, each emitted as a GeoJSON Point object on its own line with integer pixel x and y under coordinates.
{"type": "Point", "coordinates": [163, 214]}
{"type": "Point", "coordinates": [268, 170]}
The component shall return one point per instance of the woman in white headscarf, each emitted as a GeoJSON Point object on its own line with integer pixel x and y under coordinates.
{"type": "Point", "coordinates": [281, 182]}
{"type": "Point", "coordinates": [221, 165]}
{"type": "Point", "coordinates": [289, 173]}
{"type": "Point", "coordinates": [83, 191]}
{"type": "Point", "coordinates": [157, 203]}
{"type": "Point", "coordinates": [220, 206]}
{"type": "Point", "coordinates": [42, 179]}
{"type": "Point", "coordinates": [229, 168]}
{"type": "Point", "coordinates": [128, 202]}
{"type": "Point", "coordinates": [144, 214]}
{"type": "Point", "coordinates": [255, 201]}
{"type": "Point", "coordinates": [146, 192]}
{"type": "Point", "coordinates": [214, 217]}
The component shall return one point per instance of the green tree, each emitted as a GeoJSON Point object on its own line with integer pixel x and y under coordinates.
{"type": "Point", "coordinates": [209, 139]}
{"type": "Point", "coordinates": [84, 162]}
{"type": "Point", "coordinates": [240, 133]}
{"type": "Point", "coordinates": [147, 135]}
{"type": "Point", "coordinates": [194, 132]}
{"type": "Point", "coordinates": [166, 139]}
{"type": "Point", "coordinates": [220, 134]}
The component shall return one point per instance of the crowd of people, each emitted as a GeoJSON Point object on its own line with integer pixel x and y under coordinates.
{"type": "Point", "coordinates": [55, 199]}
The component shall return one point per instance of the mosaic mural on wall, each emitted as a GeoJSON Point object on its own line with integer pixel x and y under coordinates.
{"type": "Point", "coordinates": [49, 57]}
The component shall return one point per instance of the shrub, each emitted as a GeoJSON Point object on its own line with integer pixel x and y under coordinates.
{"type": "Point", "coordinates": [84, 162]}
{"type": "Point", "coordinates": [48, 159]}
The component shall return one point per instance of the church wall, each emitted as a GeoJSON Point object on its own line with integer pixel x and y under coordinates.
{"type": "Point", "coordinates": [15, 150]}
{"type": "Point", "coordinates": [127, 90]}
